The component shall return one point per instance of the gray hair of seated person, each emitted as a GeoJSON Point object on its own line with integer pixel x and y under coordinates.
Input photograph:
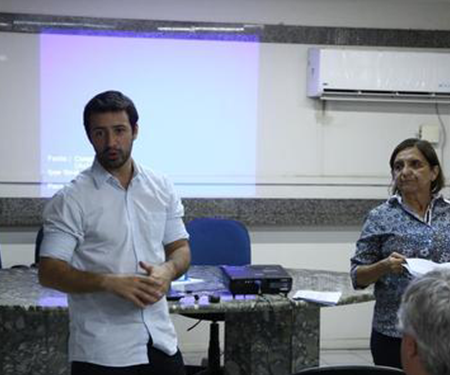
{"type": "Point", "coordinates": [425, 315]}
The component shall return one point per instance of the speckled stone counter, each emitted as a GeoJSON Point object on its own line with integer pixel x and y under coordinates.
{"type": "Point", "coordinates": [27, 212]}
{"type": "Point", "coordinates": [268, 334]}
{"type": "Point", "coordinates": [265, 33]}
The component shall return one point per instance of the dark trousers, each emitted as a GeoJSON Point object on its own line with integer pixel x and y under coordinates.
{"type": "Point", "coordinates": [385, 350]}
{"type": "Point", "coordinates": [160, 363]}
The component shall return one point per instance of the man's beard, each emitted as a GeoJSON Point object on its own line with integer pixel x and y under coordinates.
{"type": "Point", "coordinates": [111, 164]}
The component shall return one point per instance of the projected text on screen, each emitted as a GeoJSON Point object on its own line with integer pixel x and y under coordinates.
{"type": "Point", "coordinates": [197, 101]}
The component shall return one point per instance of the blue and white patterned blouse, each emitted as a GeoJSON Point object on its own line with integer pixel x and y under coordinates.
{"type": "Point", "coordinates": [393, 227]}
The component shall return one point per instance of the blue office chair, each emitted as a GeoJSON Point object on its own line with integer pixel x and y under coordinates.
{"type": "Point", "coordinates": [37, 249]}
{"type": "Point", "coordinates": [351, 370]}
{"type": "Point", "coordinates": [217, 242]}
{"type": "Point", "coordinates": [37, 245]}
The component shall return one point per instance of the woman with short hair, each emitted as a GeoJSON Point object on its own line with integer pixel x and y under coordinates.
{"type": "Point", "coordinates": [413, 223]}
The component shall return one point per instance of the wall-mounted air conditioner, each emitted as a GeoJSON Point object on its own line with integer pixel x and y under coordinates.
{"type": "Point", "coordinates": [354, 74]}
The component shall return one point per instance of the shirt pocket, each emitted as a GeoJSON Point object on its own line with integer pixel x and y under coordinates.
{"type": "Point", "coordinates": [152, 226]}
{"type": "Point", "coordinates": [155, 225]}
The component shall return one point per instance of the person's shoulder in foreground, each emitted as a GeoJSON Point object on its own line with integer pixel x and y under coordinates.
{"type": "Point", "coordinates": [424, 319]}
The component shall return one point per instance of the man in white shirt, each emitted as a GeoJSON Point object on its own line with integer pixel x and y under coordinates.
{"type": "Point", "coordinates": [114, 239]}
{"type": "Point", "coordinates": [424, 319]}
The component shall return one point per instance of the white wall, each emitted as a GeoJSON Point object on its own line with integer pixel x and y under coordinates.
{"type": "Point", "coordinates": [299, 137]}
{"type": "Point", "coordinates": [299, 140]}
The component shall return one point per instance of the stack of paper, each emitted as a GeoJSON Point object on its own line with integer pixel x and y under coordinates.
{"type": "Point", "coordinates": [419, 266]}
{"type": "Point", "coordinates": [181, 285]}
{"type": "Point", "coordinates": [324, 298]}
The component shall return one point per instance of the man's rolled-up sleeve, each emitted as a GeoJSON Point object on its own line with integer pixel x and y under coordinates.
{"type": "Point", "coordinates": [368, 247]}
{"type": "Point", "coordinates": [62, 228]}
{"type": "Point", "coordinates": [175, 229]}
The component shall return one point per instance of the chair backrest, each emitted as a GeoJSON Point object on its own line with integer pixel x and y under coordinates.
{"type": "Point", "coordinates": [218, 242]}
{"type": "Point", "coordinates": [37, 244]}
{"type": "Point", "coordinates": [351, 370]}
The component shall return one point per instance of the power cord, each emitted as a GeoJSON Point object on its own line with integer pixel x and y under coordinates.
{"type": "Point", "coordinates": [444, 134]}
{"type": "Point", "coordinates": [194, 325]}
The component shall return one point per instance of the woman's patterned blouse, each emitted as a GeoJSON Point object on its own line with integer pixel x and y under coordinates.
{"type": "Point", "coordinates": [393, 227]}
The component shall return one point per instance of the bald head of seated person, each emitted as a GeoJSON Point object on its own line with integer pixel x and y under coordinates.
{"type": "Point", "coordinates": [424, 319]}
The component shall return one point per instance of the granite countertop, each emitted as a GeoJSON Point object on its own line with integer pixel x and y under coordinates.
{"type": "Point", "coordinates": [19, 289]}
{"type": "Point", "coordinates": [265, 33]}
{"type": "Point", "coordinates": [27, 212]}
{"type": "Point", "coordinates": [35, 322]}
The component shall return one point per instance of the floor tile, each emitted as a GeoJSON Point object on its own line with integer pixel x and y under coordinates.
{"type": "Point", "coordinates": [345, 357]}
{"type": "Point", "coordinates": [327, 357]}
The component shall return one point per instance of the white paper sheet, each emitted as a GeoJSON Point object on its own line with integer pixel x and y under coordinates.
{"type": "Point", "coordinates": [418, 266]}
{"type": "Point", "coordinates": [324, 298]}
{"type": "Point", "coordinates": [180, 285]}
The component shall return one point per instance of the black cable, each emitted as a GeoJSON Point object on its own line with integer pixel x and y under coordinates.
{"type": "Point", "coordinates": [444, 134]}
{"type": "Point", "coordinates": [194, 325]}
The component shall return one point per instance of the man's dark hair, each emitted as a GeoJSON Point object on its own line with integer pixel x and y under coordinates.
{"type": "Point", "coordinates": [110, 101]}
{"type": "Point", "coordinates": [428, 152]}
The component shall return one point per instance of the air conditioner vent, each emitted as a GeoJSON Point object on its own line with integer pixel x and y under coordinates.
{"type": "Point", "coordinates": [373, 75]}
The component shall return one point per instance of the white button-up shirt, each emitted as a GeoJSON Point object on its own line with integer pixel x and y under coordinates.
{"type": "Point", "coordinates": [96, 225]}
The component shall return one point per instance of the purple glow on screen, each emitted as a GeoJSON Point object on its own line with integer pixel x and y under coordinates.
{"type": "Point", "coordinates": [197, 101]}
{"type": "Point", "coordinates": [53, 301]}
{"type": "Point", "coordinates": [191, 35]}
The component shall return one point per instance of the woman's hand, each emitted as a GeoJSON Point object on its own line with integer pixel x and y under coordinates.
{"type": "Point", "coordinates": [368, 274]}
{"type": "Point", "coordinates": [394, 263]}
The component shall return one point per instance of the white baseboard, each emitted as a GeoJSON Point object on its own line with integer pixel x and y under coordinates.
{"type": "Point", "coordinates": [195, 348]}
{"type": "Point", "coordinates": [330, 344]}
{"type": "Point", "coordinates": [361, 343]}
